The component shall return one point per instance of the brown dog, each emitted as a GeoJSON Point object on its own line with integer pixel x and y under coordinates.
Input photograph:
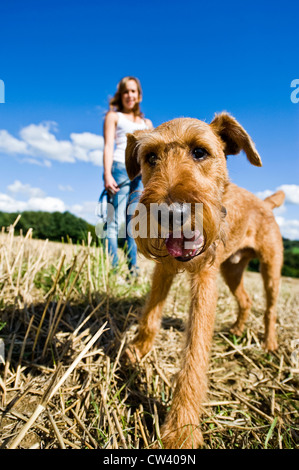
{"type": "Point", "coordinates": [183, 163]}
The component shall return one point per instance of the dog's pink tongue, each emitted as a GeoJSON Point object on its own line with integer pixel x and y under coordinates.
{"type": "Point", "coordinates": [175, 245]}
{"type": "Point", "coordinates": [178, 245]}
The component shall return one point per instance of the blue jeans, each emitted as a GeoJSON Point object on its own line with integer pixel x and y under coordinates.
{"type": "Point", "coordinates": [127, 195]}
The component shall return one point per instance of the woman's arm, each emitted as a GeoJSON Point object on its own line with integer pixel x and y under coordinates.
{"type": "Point", "coordinates": [109, 137]}
{"type": "Point", "coordinates": [149, 123]}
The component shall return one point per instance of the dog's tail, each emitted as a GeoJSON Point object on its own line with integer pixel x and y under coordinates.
{"type": "Point", "coordinates": [275, 200]}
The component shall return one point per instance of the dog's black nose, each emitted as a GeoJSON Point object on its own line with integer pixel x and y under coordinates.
{"type": "Point", "coordinates": [173, 216]}
{"type": "Point", "coordinates": [178, 214]}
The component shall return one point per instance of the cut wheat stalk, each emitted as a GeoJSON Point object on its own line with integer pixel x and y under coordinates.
{"type": "Point", "coordinates": [37, 264]}
{"type": "Point", "coordinates": [17, 289]}
{"type": "Point", "coordinates": [119, 430]}
{"type": "Point", "coordinates": [239, 350]}
{"type": "Point", "coordinates": [22, 352]}
{"type": "Point", "coordinates": [59, 313]}
{"type": "Point", "coordinates": [142, 429]}
{"type": "Point", "coordinates": [50, 295]}
{"type": "Point", "coordinates": [81, 424]}
{"type": "Point", "coordinates": [21, 248]}
{"type": "Point", "coordinates": [56, 431]}
{"type": "Point", "coordinates": [156, 422]}
{"type": "Point", "coordinates": [53, 322]}
{"type": "Point", "coordinates": [53, 389]}
{"type": "Point", "coordinates": [110, 423]}
{"type": "Point", "coordinates": [252, 407]}
{"type": "Point", "coordinates": [8, 268]}
{"type": "Point", "coordinates": [89, 239]}
{"type": "Point", "coordinates": [7, 366]}
{"type": "Point", "coordinates": [27, 296]}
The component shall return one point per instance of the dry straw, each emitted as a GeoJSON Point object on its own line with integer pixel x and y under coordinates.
{"type": "Point", "coordinates": [65, 318]}
{"type": "Point", "coordinates": [53, 389]}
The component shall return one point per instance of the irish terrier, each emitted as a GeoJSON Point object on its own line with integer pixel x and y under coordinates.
{"type": "Point", "coordinates": [183, 164]}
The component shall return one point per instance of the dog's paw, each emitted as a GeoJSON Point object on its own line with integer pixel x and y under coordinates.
{"type": "Point", "coordinates": [188, 437]}
{"type": "Point", "coordinates": [132, 354]}
{"type": "Point", "coordinates": [270, 344]}
{"type": "Point", "coordinates": [236, 329]}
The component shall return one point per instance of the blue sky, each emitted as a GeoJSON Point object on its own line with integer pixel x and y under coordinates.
{"type": "Point", "coordinates": [60, 62]}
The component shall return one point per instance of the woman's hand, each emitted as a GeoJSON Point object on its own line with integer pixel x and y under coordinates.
{"type": "Point", "coordinates": [110, 184]}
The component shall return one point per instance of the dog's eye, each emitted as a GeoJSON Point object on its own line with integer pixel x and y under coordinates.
{"type": "Point", "coordinates": [151, 158]}
{"type": "Point", "coordinates": [199, 153]}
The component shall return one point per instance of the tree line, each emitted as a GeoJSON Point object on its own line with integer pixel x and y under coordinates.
{"type": "Point", "coordinates": [63, 227]}
{"type": "Point", "coordinates": [56, 226]}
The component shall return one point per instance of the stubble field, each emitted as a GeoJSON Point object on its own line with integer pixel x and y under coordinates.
{"type": "Point", "coordinates": [65, 318]}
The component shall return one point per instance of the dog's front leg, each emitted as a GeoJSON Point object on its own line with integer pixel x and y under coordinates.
{"type": "Point", "coordinates": [181, 428]}
{"type": "Point", "coordinates": [149, 322]}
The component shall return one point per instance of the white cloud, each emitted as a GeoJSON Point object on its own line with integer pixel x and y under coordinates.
{"type": "Point", "coordinates": [10, 144]}
{"type": "Point", "coordinates": [25, 189]}
{"type": "Point", "coordinates": [33, 161]}
{"type": "Point", "coordinates": [86, 210]}
{"type": "Point", "coordinates": [87, 140]}
{"type": "Point", "coordinates": [264, 194]}
{"type": "Point", "coordinates": [9, 204]}
{"type": "Point", "coordinates": [292, 193]}
{"type": "Point", "coordinates": [47, 204]}
{"type": "Point", "coordinates": [88, 147]}
{"type": "Point", "coordinates": [288, 228]}
{"type": "Point", "coordinates": [38, 141]}
{"type": "Point", "coordinates": [96, 157]}
{"type": "Point", "coordinates": [42, 143]}
{"type": "Point", "coordinates": [24, 197]}
{"type": "Point", "coordinates": [68, 187]}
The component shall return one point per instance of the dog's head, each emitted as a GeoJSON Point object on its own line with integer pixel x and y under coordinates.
{"type": "Point", "coordinates": [183, 167]}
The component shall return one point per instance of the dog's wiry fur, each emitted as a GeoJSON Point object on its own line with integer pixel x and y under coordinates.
{"type": "Point", "coordinates": [246, 228]}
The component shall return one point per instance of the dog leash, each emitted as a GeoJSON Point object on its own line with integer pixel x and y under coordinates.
{"type": "Point", "coordinates": [120, 185]}
{"type": "Point", "coordinates": [101, 208]}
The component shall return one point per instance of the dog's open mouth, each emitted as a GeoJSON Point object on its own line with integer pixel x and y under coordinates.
{"type": "Point", "coordinates": [184, 248]}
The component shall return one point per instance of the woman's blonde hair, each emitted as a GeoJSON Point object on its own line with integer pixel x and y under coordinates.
{"type": "Point", "coordinates": [115, 103]}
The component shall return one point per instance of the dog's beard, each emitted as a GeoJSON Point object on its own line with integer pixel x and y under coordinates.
{"type": "Point", "coordinates": [158, 242]}
{"type": "Point", "coordinates": [152, 248]}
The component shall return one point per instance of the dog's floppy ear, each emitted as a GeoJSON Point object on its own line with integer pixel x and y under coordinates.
{"type": "Point", "coordinates": [132, 163]}
{"type": "Point", "coordinates": [235, 137]}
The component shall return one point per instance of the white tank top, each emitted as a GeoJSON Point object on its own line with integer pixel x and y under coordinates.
{"type": "Point", "coordinates": [124, 126]}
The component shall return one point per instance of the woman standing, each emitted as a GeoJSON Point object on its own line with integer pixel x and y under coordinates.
{"type": "Point", "coordinates": [123, 117]}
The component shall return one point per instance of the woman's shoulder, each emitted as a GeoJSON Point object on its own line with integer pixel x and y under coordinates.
{"type": "Point", "coordinates": [149, 123]}
{"type": "Point", "coordinates": [111, 116]}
